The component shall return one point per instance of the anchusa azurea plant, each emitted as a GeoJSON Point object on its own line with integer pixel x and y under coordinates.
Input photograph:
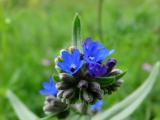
{"type": "Point", "coordinates": [84, 77]}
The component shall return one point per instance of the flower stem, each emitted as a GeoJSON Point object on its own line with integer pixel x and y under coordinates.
{"type": "Point", "coordinates": [99, 20]}
{"type": "Point", "coordinates": [84, 108]}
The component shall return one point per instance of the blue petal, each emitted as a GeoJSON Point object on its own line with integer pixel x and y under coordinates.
{"type": "Point", "coordinates": [46, 85]}
{"type": "Point", "coordinates": [66, 56]}
{"type": "Point", "coordinates": [64, 66]}
{"type": "Point", "coordinates": [76, 57]}
{"type": "Point", "coordinates": [97, 105]}
{"type": "Point", "coordinates": [49, 88]}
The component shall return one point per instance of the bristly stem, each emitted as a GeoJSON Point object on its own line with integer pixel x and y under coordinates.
{"type": "Point", "coordinates": [84, 108]}
{"type": "Point", "coordinates": [99, 20]}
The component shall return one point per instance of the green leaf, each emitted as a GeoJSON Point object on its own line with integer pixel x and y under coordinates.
{"type": "Point", "coordinates": [126, 107]}
{"type": "Point", "coordinates": [76, 32]}
{"type": "Point", "coordinates": [21, 110]}
{"type": "Point", "coordinates": [105, 81]}
{"type": "Point", "coordinates": [48, 117]}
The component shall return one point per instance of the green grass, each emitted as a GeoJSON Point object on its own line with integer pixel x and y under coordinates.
{"type": "Point", "coordinates": [33, 30]}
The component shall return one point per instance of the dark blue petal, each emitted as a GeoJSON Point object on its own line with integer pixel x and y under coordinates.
{"type": "Point", "coordinates": [96, 70]}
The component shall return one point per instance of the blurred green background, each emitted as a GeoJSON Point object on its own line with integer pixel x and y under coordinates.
{"type": "Point", "coordinates": [33, 31]}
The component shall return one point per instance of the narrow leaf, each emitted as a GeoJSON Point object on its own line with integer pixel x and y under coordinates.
{"type": "Point", "coordinates": [126, 107]}
{"type": "Point", "coordinates": [105, 81]}
{"type": "Point", "coordinates": [21, 110]}
{"type": "Point", "coordinates": [76, 32]}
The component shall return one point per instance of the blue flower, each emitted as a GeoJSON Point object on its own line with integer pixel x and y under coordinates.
{"type": "Point", "coordinates": [97, 106]}
{"type": "Point", "coordinates": [49, 88]}
{"type": "Point", "coordinates": [94, 51]}
{"type": "Point", "coordinates": [97, 70]}
{"type": "Point", "coordinates": [71, 61]}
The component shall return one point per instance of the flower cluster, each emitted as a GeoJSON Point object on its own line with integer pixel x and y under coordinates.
{"type": "Point", "coordinates": [82, 77]}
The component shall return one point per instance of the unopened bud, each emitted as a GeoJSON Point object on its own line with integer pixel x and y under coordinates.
{"type": "Point", "coordinates": [83, 84]}
{"type": "Point", "coordinates": [61, 85]}
{"type": "Point", "coordinates": [66, 77]}
{"type": "Point", "coordinates": [58, 59]}
{"type": "Point", "coordinates": [88, 97]}
{"type": "Point", "coordinates": [60, 93]}
{"type": "Point", "coordinates": [115, 72]}
{"type": "Point", "coordinates": [68, 94]}
{"type": "Point", "coordinates": [52, 104]}
{"type": "Point", "coordinates": [111, 63]}
{"type": "Point", "coordinates": [71, 49]}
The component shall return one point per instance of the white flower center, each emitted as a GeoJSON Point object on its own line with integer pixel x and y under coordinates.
{"type": "Point", "coordinates": [91, 57]}
{"type": "Point", "coordinates": [72, 67]}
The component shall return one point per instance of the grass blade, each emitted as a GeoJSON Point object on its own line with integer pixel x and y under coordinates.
{"type": "Point", "coordinates": [128, 105]}
{"type": "Point", "coordinates": [21, 110]}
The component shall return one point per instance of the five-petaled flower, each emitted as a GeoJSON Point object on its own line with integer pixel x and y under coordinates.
{"type": "Point", "coordinates": [71, 61]}
{"type": "Point", "coordinates": [49, 88]}
{"type": "Point", "coordinates": [97, 106]}
{"type": "Point", "coordinates": [94, 51]}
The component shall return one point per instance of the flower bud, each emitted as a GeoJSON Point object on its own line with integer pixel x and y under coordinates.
{"type": "Point", "coordinates": [61, 85]}
{"type": "Point", "coordinates": [83, 84]}
{"type": "Point", "coordinates": [58, 59]}
{"type": "Point", "coordinates": [65, 77]}
{"type": "Point", "coordinates": [88, 97]}
{"type": "Point", "coordinates": [58, 69]}
{"type": "Point", "coordinates": [115, 72]}
{"type": "Point", "coordinates": [110, 64]}
{"type": "Point", "coordinates": [52, 104]}
{"type": "Point", "coordinates": [60, 93]}
{"type": "Point", "coordinates": [94, 86]}
{"type": "Point", "coordinates": [71, 49]}
{"type": "Point", "coordinates": [69, 93]}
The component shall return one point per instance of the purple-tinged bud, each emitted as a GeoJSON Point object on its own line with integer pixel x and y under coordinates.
{"type": "Point", "coordinates": [83, 84]}
{"type": "Point", "coordinates": [111, 63]}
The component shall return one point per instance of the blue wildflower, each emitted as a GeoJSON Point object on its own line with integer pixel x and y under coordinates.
{"type": "Point", "coordinates": [71, 61]}
{"type": "Point", "coordinates": [49, 88]}
{"type": "Point", "coordinates": [96, 69]}
{"type": "Point", "coordinates": [97, 106]}
{"type": "Point", "coordinates": [94, 51]}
